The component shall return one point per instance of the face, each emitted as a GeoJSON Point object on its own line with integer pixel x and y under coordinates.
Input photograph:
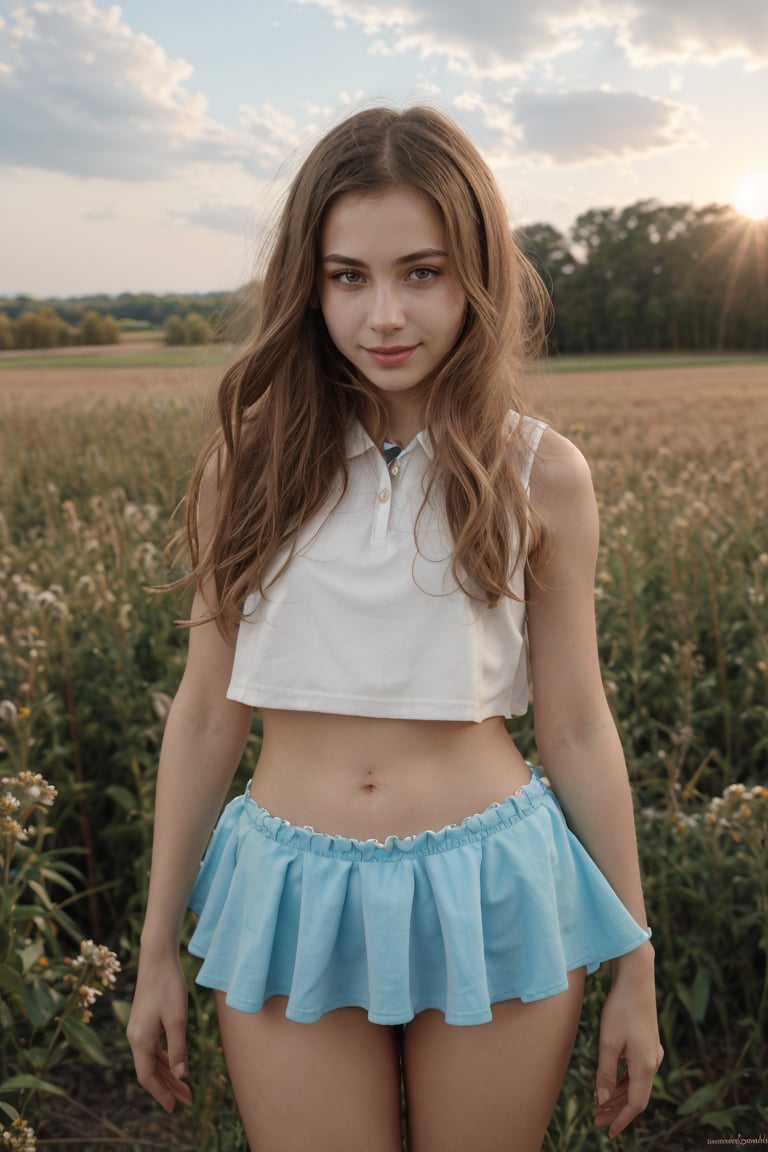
{"type": "Point", "coordinates": [391, 302]}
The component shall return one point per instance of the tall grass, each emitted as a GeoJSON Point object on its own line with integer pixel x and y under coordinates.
{"type": "Point", "coordinates": [86, 492]}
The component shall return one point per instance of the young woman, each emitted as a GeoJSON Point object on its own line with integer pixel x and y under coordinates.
{"type": "Point", "coordinates": [381, 541]}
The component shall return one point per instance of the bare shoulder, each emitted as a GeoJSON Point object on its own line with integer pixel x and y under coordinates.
{"type": "Point", "coordinates": [561, 480]}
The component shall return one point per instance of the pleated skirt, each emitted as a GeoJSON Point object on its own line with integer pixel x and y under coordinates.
{"type": "Point", "coordinates": [499, 907]}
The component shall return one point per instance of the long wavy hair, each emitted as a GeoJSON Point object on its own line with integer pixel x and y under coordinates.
{"type": "Point", "coordinates": [286, 401]}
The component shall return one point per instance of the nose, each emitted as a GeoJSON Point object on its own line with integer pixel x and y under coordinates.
{"type": "Point", "coordinates": [386, 310]}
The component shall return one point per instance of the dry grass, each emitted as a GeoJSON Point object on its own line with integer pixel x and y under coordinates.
{"type": "Point", "coordinates": [65, 385]}
{"type": "Point", "coordinates": [668, 405]}
{"type": "Point", "coordinates": [674, 407]}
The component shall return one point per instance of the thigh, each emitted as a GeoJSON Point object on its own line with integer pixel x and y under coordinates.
{"type": "Point", "coordinates": [331, 1084]}
{"type": "Point", "coordinates": [489, 1087]}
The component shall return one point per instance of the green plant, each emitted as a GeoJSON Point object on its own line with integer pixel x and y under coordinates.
{"type": "Point", "coordinates": [46, 995]}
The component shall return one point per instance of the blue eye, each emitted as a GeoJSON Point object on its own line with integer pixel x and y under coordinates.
{"type": "Point", "coordinates": [423, 274]}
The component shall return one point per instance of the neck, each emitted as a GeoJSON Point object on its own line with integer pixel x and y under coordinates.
{"type": "Point", "coordinates": [401, 423]}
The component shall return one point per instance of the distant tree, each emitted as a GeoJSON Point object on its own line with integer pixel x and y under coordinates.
{"type": "Point", "coordinates": [98, 329]}
{"type": "Point", "coordinates": [26, 331]}
{"type": "Point", "coordinates": [92, 328]}
{"type": "Point", "coordinates": [621, 312]}
{"type": "Point", "coordinates": [174, 330]}
{"type": "Point", "coordinates": [6, 333]}
{"type": "Point", "coordinates": [197, 330]}
{"type": "Point", "coordinates": [41, 329]}
{"type": "Point", "coordinates": [112, 333]}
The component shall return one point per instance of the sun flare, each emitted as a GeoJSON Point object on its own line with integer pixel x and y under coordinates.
{"type": "Point", "coordinates": [751, 196]}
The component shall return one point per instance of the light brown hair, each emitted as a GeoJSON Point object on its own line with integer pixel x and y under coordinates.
{"type": "Point", "coordinates": [285, 403]}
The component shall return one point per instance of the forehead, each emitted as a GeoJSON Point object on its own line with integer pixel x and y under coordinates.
{"type": "Point", "coordinates": [398, 220]}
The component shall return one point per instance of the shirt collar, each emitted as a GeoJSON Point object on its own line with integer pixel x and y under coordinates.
{"type": "Point", "coordinates": [358, 441]}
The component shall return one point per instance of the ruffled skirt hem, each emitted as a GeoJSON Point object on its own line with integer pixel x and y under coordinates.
{"type": "Point", "coordinates": [502, 906]}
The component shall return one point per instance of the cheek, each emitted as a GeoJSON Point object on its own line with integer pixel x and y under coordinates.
{"type": "Point", "coordinates": [330, 315]}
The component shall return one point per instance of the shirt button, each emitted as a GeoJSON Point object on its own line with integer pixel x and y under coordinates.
{"type": "Point", "coordinates": [384, 495]}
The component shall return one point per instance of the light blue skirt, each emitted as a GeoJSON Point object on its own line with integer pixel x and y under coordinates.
{"type": "Point", "coordinates": [499, 907]}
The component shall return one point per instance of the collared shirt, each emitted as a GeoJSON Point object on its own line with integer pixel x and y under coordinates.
{"type": "Point", "coordinates": [368, 619]}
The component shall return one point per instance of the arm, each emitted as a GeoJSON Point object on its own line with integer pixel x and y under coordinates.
{"type": "Point", "coordinates": [203, 742]}
{"type": "Point", "coordinates": [582, 756]}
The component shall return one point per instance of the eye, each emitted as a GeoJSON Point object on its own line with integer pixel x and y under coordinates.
{"type": "Point", "coordinates": [423, 275]}
{"type": "Point", "coordinates": [349, 277]}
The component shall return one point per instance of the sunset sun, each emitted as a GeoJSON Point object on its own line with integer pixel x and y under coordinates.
{"type": "Point", "coordinates": [751, 196]}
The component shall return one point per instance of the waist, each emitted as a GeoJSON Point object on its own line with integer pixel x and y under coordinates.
{"type": "Point", "coordinates": [365, 777]}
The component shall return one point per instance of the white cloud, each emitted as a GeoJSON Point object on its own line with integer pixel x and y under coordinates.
{"type": "Point", "coordinates": [581, 127]}
{"type": "Point", "coordinates": [275, 131]}
{"type": "Point", "coordinates": [485, 37]}
{"type": "Point", "coordinates": [700, 29]}
{"type": "Point", "coordinates": [85, 94]}
{"type": "Point", "coordinates": [489, 37]}
{"type": "Point", "coordinates": [230, 218]}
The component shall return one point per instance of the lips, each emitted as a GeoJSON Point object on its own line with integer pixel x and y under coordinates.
{"type": "Point", "coordinates": [391, 356]}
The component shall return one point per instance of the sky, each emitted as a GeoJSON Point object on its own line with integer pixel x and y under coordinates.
{"type": "Point", "coordinates": [144, 147]}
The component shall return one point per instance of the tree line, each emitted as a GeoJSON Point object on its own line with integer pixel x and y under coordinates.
{"type": "Point", "coordinates": [143, 308]}
{"type": "Point", "coordinates": [655, 277]}
{"type": "Point", "coordinates": [45, 328]}
{"type": "Point", "coordinates": [648, 277]}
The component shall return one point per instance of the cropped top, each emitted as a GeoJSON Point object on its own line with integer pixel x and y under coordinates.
{"type": "Point", "coordinates": [368, 620]}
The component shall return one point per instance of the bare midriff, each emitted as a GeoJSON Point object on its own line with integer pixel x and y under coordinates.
{"type": "Point", "coordinates": [369, 778]}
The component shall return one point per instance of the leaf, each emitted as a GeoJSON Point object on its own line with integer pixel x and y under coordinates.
{"type": "Point", "coordinates": [700, 994]}
{"type": "Point", "coordinates": [123, 797]}
{"type": "Point", "coordinates": [41, 893]}
{"type": "Point", "coordinates": [30, 1083]}
{"type": "Point", "coordinates": [28, 912]}
{"type": "Point", "coordinates": [9, 1110]}
{"type": "Point", "coordinates": [6, 1016]}
{"type": "Point", "coordinates": [700, 1098]}
{"type": "Point", "coordinates": [30, 955]}
{"type": "Point", "coordinates": [53, 876]}
{"type": "Point", "coordinates": [122, 1011]}
{"type": "Point", "coordinates": [41, 1002]}
{"type": "Point", "coordinates": [85, 1041]}
{"type": "Point", "coordinates": [723, 1121]}
{"type": "Point", "coordinates": [684, 995]}
{"type": "Point", "coordinates": [10, 980]}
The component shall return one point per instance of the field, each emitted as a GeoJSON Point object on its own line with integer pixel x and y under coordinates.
{"type": "Point", "coordinates": [93, 460]}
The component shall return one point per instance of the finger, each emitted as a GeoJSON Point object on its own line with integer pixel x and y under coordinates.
{"type": "Point", "coordinates": [605, 1079]}
{"type": "Point", "coordinates": [605, 1113]}
{"type": "Point", "coordinates": [176, 1089]}
{"type": "Point", "coordinates": [638, 1095]}
{"type": "Point", "coordinates": [170, 1077]}
{"type": "Point", "coordinates": [176, 1040]}
{"type": "Point", "coordinates": [151, 1075]}
{"type": "Point", "coordinates": [154, 1075]}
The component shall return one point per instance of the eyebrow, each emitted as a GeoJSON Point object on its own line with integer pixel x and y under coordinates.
{"type": "Point", "coordinates": [411, 258]}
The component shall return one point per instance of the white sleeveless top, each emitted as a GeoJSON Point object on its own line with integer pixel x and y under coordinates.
{"type": "Point", "coordinates": [367, 620]}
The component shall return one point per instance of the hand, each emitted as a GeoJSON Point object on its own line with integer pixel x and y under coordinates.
{"type": "Point", "coordinates": [160, 1008]}
{"type": "Point", "coordinates": [629, 1032]}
